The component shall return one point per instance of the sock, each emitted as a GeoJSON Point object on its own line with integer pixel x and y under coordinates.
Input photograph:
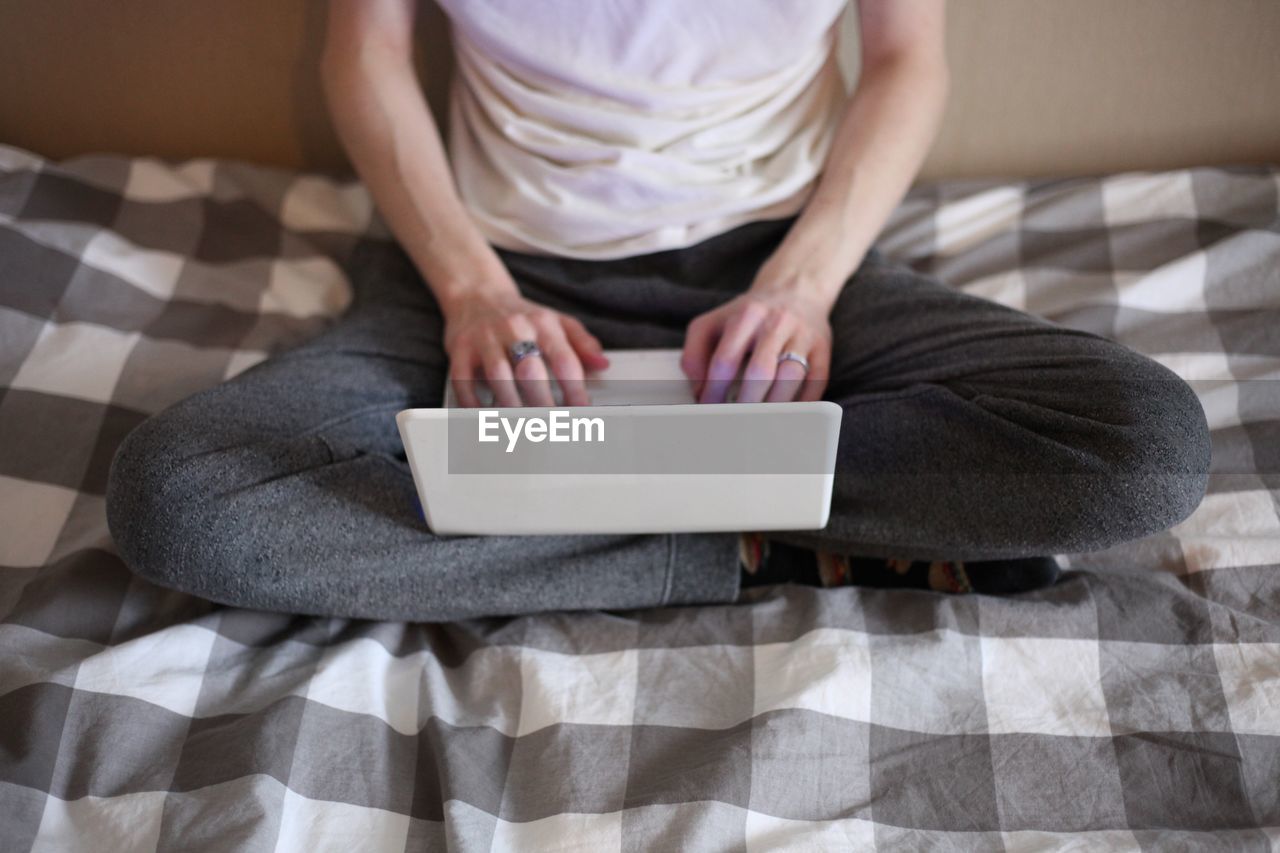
{"type": "Point", "coordinates": [766, 561]}
{"type": "Point", "coordinates": [1004, 577]}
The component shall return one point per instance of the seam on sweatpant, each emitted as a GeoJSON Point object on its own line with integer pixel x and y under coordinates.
{"type": "Point", "coordinates": [866, 398]}
{"type": "Point", "coordinates": [345, 417]}
{"type": "Point", "coordinates": [673, 549]}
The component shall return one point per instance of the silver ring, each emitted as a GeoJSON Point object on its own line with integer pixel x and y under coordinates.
{"type": "Point", "coordinates": [521, 350]}
{"type": "Point", "coordinates": [797, 358]}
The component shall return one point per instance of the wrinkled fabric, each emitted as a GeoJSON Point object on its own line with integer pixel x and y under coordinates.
{"type": "Point", "coordinates": [970, 431]}
{"type": "Point", "coordinates": [599, 130]}
{"type": "Point", "coordinates": [1133, 706]}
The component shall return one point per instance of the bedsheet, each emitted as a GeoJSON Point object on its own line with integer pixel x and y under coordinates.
{"type": "Point", "coordinates": [1134, 705]}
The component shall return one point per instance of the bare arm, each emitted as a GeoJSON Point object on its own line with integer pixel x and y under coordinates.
{"type": "Point", "coordinates": [382, 118]}
{"type": "Point", "coordinates": [385, 125]}
{"type": "Point", "coordinates": [886, 129]}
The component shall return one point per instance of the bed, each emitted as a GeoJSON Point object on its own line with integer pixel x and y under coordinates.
{"type": "Point", "coordinates": [1133, 706]}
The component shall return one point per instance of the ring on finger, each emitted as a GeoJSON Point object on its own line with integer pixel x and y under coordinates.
{"type": "Point", "coordinates": [521, 350]}
{"type": "Point", "coordinates": [797, 358]}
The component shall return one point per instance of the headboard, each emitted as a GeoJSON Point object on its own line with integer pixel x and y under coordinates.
{"type": "Point", "coordinates": [1039, 86]}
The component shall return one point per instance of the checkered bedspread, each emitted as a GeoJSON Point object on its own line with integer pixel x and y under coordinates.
{"type": "Point", "coordinates": [1136, 705]}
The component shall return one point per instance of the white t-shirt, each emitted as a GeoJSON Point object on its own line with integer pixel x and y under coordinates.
{"type": "Point", "coordinates": [607, 128]}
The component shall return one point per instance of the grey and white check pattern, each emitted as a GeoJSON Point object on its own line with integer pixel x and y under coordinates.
{"type": "Point", "coordinates": [1136, 705]}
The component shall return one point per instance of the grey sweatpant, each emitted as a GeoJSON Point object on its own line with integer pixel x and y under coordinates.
{"type": "Point", "coordinates": [970, 431]}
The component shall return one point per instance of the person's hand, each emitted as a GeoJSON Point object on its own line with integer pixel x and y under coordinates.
{"type": "Point", "coordinates": [750, 334]}
{"type": "Point", "coordinates": [480, 331]}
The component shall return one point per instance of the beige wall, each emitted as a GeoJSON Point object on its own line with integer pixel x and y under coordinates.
{"type": "Point", "coordinates": [1072, 86]}
{"type": "Point", "coordinates": [177, 78]}
{"type": "Point", "coordinates": [1040, 86]}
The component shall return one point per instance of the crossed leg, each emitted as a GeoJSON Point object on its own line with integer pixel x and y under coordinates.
{"type": "Point", "coordinates": [971, 431]}
{"type": "Point", "coordinates": [286, 489]}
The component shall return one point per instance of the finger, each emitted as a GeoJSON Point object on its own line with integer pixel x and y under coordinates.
{"type": "Point", "coordinates": [531, 377]}
{"type": "Point", "coordinates": [588, 347]}
{"type": "Point", "coordinates": [565, 366]}
{"type": "Point", "coordinates": [729, 353]}
{"type": "Point", "coordinates": [757, 379]}
{"type": "Point", "coordinates": [497, 371]}
{"type": "Point", "coordinates": [789, 379]}
{"type": "Point", "coordinates": [532, 380]}
{"type": "Point", "coordinates": [819, 369]}
{"type": "Point", "coordinates": [699, 342]}
{"type": "Point", "coordinates": [462, 373]}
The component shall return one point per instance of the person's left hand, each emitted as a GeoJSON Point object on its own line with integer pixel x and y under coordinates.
{"type": "Point", "coordinates": [750, 334]}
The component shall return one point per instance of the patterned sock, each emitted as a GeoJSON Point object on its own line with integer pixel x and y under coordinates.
{"type": "Point", "coordinates": [766, 561]}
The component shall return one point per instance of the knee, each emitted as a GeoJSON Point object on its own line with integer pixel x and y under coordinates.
{"type": "Point", "coordinates": [1188, 447]}
{"type": "Point", "coordinates": [1160, 453]}
{"type": "Point", "coordinates": [154, 504]}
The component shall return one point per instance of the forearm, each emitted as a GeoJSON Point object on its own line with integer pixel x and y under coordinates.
{"type": "Point", "coordinates": [384, 123]}
{"type": "Point", "coordinates": [882, 139]}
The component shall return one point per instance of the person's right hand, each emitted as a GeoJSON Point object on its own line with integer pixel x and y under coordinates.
{"type": "Point", "coordinates": [480, 331]}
